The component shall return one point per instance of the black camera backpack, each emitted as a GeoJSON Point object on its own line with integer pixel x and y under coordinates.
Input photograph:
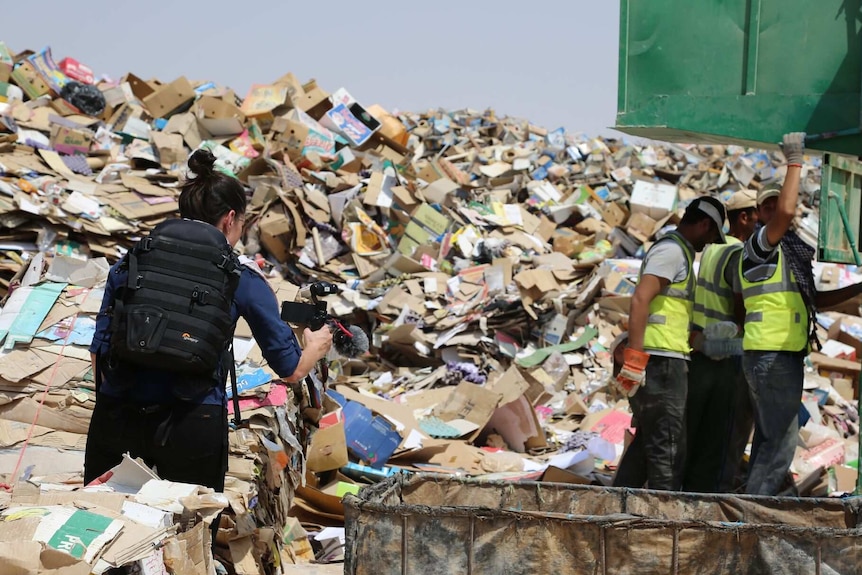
{"type": "Point", "coordinates": [174, 312]}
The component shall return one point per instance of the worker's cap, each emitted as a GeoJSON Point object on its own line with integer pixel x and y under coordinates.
{"type": "Point", "coordinates": [768, 192]}
{"type": "Point", "coordinates": [741, 200]}
{"type": "Point", "coordinates": [713, 208]}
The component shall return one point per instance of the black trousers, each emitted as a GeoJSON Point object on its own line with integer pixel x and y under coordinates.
{"type": "Point", "coordinates": [741, 428]}
{"type": "Point", "coordinates": [655, 457]}
{"type": "Point", "coordinates": [184, 443]}
{"type": "Point", "coordinates": [712, 386]}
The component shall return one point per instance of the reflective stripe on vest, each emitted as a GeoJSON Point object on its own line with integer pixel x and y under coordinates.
{"type": "Point", "coordinates": [713, 296]}
{"type": "Point", "coordinates": [775, 315]}
{"type": "Point", "coordinates": [670, 311]}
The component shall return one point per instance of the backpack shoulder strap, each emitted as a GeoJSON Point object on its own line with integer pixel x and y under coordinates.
{"type": "Point", "coordinates": [237, 417]}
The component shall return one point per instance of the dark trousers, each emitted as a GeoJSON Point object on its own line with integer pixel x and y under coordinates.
{"type": "Point", "coordinates": [184, 443]}
{"type": "Point", "coordinates": [775, 384]}
{"type": "Point", "coordinates": [742, 424]}
{"type": "Point", "coordinates": [655, 456]}
{"type": "Point", "coordinates": [712, 386]}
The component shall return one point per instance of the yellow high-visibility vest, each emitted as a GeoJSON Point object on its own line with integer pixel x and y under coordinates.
{"type": "Point", "coordinates": [713, 296]}
{"type": "Point", "coordinates": [776, 318]}
{"type": "Point", "coordinates": [670, 312]}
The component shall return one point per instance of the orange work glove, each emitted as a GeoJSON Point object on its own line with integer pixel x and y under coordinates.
{"type": "Point", "coordinates": [632, 374]}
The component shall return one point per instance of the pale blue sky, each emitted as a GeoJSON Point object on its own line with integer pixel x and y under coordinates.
{"type": "Point", "coordinates": [552, 62]}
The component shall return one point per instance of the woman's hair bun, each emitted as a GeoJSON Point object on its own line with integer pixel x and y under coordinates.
{"type": "Point", "coordinates": [202, 162]}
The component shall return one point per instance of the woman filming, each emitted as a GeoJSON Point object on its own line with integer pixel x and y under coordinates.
{"type": "Point", "coordinates": [184, 436]}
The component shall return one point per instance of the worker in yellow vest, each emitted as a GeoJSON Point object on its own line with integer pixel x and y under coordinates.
{"type": "Point", "coordinates": [780, 297]}
{"type": "Point", "coordinates": [654, 368]}
{"type": "Point", "coordinates": [718, 410]}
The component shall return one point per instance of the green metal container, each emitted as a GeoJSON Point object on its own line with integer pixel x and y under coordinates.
{"type": "Point", "coordinates": [840, 210]}
{"type": "Point", "coordinates": [742, 71]}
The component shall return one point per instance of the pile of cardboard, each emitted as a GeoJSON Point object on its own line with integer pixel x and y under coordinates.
{"type": "Point", "coordinates": [491, 262]}
{"type": "Point", "coordinates": [128, 518]}
{"type": "Point", "coordinates": [45, 377]}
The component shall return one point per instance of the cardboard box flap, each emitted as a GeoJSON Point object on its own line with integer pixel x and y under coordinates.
{"type": "Point", "coordinates": [328, 449]}
{"type": "Point", "coordinates": [169, 98]}
{"type": "Point", "coordinates": [219, 118]}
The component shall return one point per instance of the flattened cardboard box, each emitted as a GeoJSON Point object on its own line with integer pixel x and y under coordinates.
{"type": "Point", "coordinates": [843, 367]}
{"type": "Point", "coordinates": [131, 120]}
{"type": "Point", "coordinates": [835, 332]}
{"type": "Point", "coordinates": [653, 199]}
{"type": "Point", "coordinates": [69, 139]}
{"type": "Point", "coordinates": [133, 207]}
{"type": "Point", "coordinates": [28, 557]}
{"type": "Point", "coordinates": [328, 449]}
{"type": "Point", "coordinates": [118, 95]}
{"type": "Point", "coordinates": [615, 215]}
{"type": "Point", "coordinates": [218, 117]}
{"type": "Point", "coordinates": [353, 122]}
{"type": "Point", "coordinates": [439, 190]}
{"type": "Point", "coordinates": [515, 419]}
{"type": "Point", "coordinates": [275, 228]}
{"type": "Point", "coordinates": [169, 98]}
{"type": "Point", "coordinates": [29, 80]}
{"type": "Point", "coordinates": [171, 149]}
{"type": "Point", "coordinates": [426, 224]}
{"type": "Point", "coordinates": [557, 475]}
{"type": "Point", "coordinates": [431, 219]}
{"type": "Point", "coordinates": [140, 88]}
{"type": "Point", "coordinates": [291, 133]}
{"type": "Point", "coordinates": [264, 100]}
{"type": "Point", "coordinates": [308, 97]}
{"type": "Point", "coordinates": [391, 127]}
{"type": "Point", "coordinates": [471, 402]}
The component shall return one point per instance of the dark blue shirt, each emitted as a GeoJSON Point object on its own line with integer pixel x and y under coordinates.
{"type": "Point", "coordinates": [254, 300]}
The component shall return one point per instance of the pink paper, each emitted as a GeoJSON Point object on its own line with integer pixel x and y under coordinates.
{"type": "Point", "coordinates": [828, 453]}
{"type": "Point", "coordinates": [612, 427]}
{"type": "Point", "coordinates": [276, 396]}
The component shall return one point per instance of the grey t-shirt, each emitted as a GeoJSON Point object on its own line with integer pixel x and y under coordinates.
{"type": "Point", "coordinates": [666, 259]}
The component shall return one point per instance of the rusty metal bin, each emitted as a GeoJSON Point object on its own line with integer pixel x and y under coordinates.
{"type": "Point", "coordinates": [439, 524]}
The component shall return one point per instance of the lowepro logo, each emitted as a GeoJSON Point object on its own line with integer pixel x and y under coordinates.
{"type": "Point", "coordinates": [187, 337]}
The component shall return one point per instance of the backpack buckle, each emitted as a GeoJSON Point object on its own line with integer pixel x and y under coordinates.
{"type": "Point", "coordinates": [145, 244]}
{"type": "Point", "coordinates": [134, 282]}
{"type": "Point", "coordinates": [226, 264]}
{"type": "Point", "coordinates": [199, 295]}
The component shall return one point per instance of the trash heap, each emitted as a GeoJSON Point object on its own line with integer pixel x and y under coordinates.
{"type": "Point", "coordinates": [490, 261]}
{"type": "Point", "coordinates": [131, 518]}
